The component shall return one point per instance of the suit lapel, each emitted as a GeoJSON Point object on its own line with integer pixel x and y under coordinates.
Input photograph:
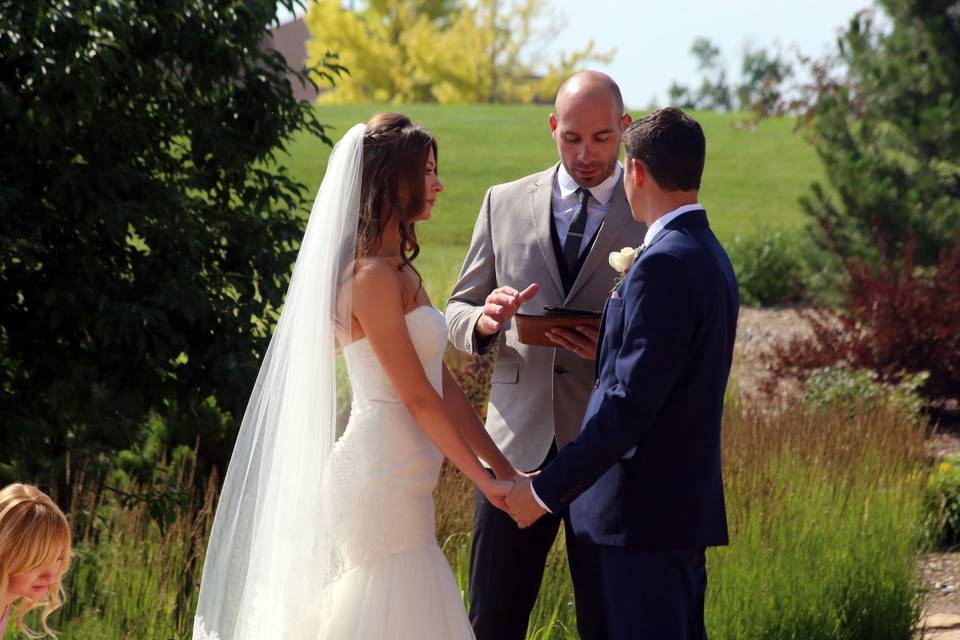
{"type": "Point", "coordinates": [618, 214]}
{"type": "Point", "coordinates": [541, 212]}
{"type": "Point", "coordinates": [600, 334]}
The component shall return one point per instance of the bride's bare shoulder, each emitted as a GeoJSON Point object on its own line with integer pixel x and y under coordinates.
{"type": "Point", "coordinates": [375, 279]}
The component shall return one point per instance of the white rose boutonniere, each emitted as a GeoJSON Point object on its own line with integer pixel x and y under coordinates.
{"type": "Point", "coordinates": [621, 261]}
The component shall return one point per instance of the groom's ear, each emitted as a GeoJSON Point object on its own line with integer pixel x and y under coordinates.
{"type": "Point", "coordinates": [625, 122]}
{"type": "Point", "coordinates": [554, 121]}
{"type": "Point", "coordinates": [638, 172]}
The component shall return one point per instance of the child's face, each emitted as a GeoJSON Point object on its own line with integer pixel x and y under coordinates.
{"type": "Point", "coordinates": [34, 584]}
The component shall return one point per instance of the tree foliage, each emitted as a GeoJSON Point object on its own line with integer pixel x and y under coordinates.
{"type": "Point", "coordinates": [449, 52]}
{"type": "Point", "coordinates": [885, 114]}
{"type": "Point", "coordinates": [146, 231]}
{"type": "Point", "coordinates": [763, 74]}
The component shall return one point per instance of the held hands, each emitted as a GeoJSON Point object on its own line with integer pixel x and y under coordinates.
{"type": "Point", "coordinates": [511, 493]}
{"type": "Point", "coordinates": [521, 504]}
{"type": "Point", "coordinates": [496, 492]}
{"type": "Point", "coordinates": [501, 305]}
{"type": "Point", "coordinates": [582, 342]}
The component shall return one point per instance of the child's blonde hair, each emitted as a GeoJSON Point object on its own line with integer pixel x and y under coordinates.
{"type": "Point", "coordinates": [33, 533]}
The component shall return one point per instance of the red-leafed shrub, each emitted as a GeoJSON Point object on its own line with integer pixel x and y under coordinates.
{"type": "Point", "coordinates": [896, 320]}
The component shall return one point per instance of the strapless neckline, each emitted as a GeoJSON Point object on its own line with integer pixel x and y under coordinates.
{"type": "Point", "coordinates": [364, 338]}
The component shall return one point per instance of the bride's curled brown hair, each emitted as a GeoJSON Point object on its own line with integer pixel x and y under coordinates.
{"type": "Point", "coordinates": [395, 152]}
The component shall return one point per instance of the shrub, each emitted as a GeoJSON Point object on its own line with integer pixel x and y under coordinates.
{"type": "Point", "coordinates": [769, 266]}
{"type": "Point", "coordinates": [844, 386]}
{"type": "Point", "coordinates": [941, 503]}
{"type": "Point", "coordinates": [146, 228]}
{"type": "Point", "coordinates": [897, 321]}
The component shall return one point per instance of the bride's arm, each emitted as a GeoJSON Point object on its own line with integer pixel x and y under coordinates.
{"type": "Point", "coordinates": [378, 307]}
{"type": "Point", "coordinates": [460, 409]}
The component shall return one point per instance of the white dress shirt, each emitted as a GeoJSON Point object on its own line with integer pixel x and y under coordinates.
{"type": "Point", "coordinates": [658, 225]}
{"type": "Point", "coordinates": [566, 203]}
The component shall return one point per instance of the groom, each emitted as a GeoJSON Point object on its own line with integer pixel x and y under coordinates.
{"type": "Point", "coordinates": [642, 481]}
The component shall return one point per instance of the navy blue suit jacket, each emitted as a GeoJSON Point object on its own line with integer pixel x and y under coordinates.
{"type": "Point", "coordinates": [645, 470]}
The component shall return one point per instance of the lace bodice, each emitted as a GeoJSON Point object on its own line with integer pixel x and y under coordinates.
{"type": "Point", "coordinates": [370, 383]}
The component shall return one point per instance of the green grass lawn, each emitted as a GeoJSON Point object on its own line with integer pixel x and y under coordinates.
{"type": "Point", "coordinates": [751, 177]}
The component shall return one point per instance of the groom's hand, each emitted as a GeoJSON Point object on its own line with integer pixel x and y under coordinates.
{"type": "Point", "coordinates": [582, 342]}
{"type": "Point", "coordinates": [501, 305]}
{"type": "Point", "coordinates": [521, 504]}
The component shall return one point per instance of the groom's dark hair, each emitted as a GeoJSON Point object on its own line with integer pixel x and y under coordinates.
{"type": "Point", "coordinates": [671, 146]}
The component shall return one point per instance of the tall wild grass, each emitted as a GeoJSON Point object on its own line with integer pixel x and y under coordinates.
{"type": "Point", "coordinates": [825, 509]}
{"type": "Point", "coordinates": [138, 557]}
{"type": "Point", "coordinates": [825, 518]}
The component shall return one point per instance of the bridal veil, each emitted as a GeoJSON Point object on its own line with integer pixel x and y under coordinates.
{"type": "Point", "coordinates": [270, 556]}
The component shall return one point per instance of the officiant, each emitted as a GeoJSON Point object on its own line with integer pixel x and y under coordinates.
{"type": "Point", "coordinates": [542, 240]}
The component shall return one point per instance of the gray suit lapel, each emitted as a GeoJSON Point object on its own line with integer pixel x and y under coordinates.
{"type": "Point", "coordinates": [618, 215]}
{"type": "Point", "coordinates": [541, 212]}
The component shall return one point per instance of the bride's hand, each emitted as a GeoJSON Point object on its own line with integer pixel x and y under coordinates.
{"type": "Point", "coordinates": [496, 492]}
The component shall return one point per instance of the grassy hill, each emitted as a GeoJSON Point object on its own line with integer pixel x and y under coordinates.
{"type": "Point", "coordinates": [750, 177]}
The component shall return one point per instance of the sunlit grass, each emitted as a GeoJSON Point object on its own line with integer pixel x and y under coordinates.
{"type": "Point", "coordinates": [751, 177]}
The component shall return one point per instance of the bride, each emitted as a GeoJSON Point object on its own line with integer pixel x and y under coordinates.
{"type": "Point", "coordinates": [321, 538]}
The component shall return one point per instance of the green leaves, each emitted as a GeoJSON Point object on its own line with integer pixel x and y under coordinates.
{"type": "Point", "coordinates": [146, 232]}
{"type": "Point", "coordinates": [888, 130]}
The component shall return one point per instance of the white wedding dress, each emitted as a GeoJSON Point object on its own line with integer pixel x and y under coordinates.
{"type": "Point", "coordinates": [394, 583]}
{"type": "Point", "coordinates": [316, 538]}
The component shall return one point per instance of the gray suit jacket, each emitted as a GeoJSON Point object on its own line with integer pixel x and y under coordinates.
{"type": "Point", "coordinates": [538, 394]}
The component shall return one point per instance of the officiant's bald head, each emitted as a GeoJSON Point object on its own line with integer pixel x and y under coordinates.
{"type": "Point", "coordinates": [587, 124]}
{"type": "Point", "coordinates": [589, 85]}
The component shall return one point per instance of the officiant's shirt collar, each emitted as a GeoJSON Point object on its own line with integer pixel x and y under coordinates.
{"type": "Point", "coordinates": [661, 222]}
{"type": "Point", "coordinates": [603, 192]}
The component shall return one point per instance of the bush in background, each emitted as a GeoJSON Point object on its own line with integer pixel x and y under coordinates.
{"type": "Point", "coordinates": [146, 229]}
{"type": "Point", "coordinates": [897, 320]}
{"type": "Point", "coordinates": [861, 389]}
{"type": "Point", "coordinates": [770, 267]}
{"type": "Point", "coordinates": [941, 503]}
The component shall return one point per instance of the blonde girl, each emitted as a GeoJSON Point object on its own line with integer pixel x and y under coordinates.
{"type": "Point", "coordinates": [34, 555]}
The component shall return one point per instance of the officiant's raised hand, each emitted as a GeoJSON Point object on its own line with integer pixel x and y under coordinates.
{"type": "Point", "coordinates": [521, 505]}
{"type": "Point", "coordinates": [501, 305]}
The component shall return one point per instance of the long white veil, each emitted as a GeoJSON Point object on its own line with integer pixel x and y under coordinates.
{"type": "Point", "coordinates": [269, 557]}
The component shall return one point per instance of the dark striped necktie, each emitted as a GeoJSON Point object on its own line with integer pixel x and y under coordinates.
{"type": "Point", "coordinates": [571, 246]}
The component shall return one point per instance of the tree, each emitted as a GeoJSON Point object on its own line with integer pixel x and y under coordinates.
{"type": "Point", "coordinates": [763, 75]}
{"type": "Point", "coordinates": [681, 97]}
{"type": "Point", "coordinates": [886, 123]}
{"type": "Point", "coordinates": [884, 115]}
{"type": "Point", "coordinates": [146, 229]}
{"type": "Point", "coordinates": [714, 93]}
{"type": "Point", "coordinates": [420, 51]}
